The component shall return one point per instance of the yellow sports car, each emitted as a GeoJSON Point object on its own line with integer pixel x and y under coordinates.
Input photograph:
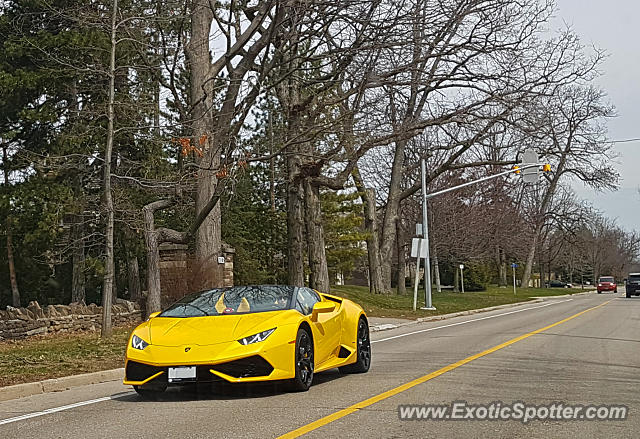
{"type": "Point", "coordinates": [248, 333]}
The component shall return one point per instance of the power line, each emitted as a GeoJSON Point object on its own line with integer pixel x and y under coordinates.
{"type": "Point", "coordinates": [635, 139]}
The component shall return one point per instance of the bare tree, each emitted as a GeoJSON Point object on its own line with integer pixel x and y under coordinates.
{"type": "Point", "coordinates": [461, 77]}
{"type": "Point", "coordinates": [107, 286]}
{"type": "Point", "coordinates": [570, 124]}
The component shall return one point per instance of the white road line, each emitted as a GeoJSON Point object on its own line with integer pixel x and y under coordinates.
{"type": "Point", "coordinates": [467, 321]}
{"type": "Point", "coordinates": [62, 408]}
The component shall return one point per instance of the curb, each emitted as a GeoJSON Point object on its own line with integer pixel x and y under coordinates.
{"type": "Point", "coordinates": [387, 326]}
{"type": "Point", "coordinates": [59, 384]}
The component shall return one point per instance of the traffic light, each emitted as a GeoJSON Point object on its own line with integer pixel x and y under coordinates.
{"type": "Point", "coordinates": [516, 169]}
{"type": "Point", "coordinates": [546, 167]}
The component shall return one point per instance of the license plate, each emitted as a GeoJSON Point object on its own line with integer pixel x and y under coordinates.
{"type": "Point", "coordinates": [182, 373]}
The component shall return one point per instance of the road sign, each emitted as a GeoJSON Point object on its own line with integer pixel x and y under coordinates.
{"type": "Point", "coordinates": [530, 175]}
{"type": "Point", "coordinates": [461, 266]}
{"type": "Point", "coordinates": [514, 265]}
{"type": "Point", "coordinates": [423, 244]}
{"type": "Point", "coordinates": [418, 229]}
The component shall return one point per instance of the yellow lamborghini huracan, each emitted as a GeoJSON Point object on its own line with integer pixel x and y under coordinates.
{"type": "Point", "coordinates": [248, 333]}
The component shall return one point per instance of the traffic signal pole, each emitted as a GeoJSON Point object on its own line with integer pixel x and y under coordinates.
{"type": "Point", "coordinates": [425, 225]}
{"type": "Point", "coordinates": [425, 233]}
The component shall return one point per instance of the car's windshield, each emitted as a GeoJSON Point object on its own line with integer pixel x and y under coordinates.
{"type": "Point", "coordinates": [606, 279]}
{"type": "Point", "coordinates": [233, 300]}
{"type": "Point", "coordinates": [634, 277]}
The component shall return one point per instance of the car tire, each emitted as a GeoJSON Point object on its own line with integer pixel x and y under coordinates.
{"type": "Point", "coordinates": [303, 362]}
{"type": "Point", "coordinates": [150, 391]}
{"type": "Point", "coordinates": [599, 292]}
{"type": "Point", "coordinates": [363, 353]}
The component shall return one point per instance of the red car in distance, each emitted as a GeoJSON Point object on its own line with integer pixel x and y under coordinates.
{"type": "Point", "coordinates": [607, 283]}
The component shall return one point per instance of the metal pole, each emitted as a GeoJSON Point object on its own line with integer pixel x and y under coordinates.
{"type": "Point", "coordinates": [415, 284]}
{"type": "Point", "coordinates": [479, 180]}
{"type": "Point", "coordinates": [462, 278]}
{"type": "Point", "coordinates": [514, 278]}
{"type": "Point", "coordinates": [425, 232]}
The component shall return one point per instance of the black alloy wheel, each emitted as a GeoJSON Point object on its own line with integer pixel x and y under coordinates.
{"type": "Point", "coordinates": [363, 361]}
{"type": "Point", "coordinates": [304, 364]}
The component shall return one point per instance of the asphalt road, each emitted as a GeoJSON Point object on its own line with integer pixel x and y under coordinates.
{"type": "Point", "coordinates": [580, 350]}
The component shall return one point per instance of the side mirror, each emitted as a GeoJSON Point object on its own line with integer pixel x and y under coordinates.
{"type": "Point", "coordinates": [154, 314]}
{"type": "Point", "coordinates": [322, 307]}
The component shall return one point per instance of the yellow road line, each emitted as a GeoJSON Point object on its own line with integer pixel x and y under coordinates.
{"type": "Point", "coordinates": [392, 392]}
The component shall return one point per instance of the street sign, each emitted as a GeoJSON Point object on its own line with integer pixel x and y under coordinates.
{"type": "Point", "coordinates": [461, 266]}
{"type": "Point", "coordinates": [423, 244]}
{"type": "Point", "coordinates": [418, 229]}
{"type": "Point", "coordinates": [530, 175]}
{"type": "Point", "coordinates": [514, 265]}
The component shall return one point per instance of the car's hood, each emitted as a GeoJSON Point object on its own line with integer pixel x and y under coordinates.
{"type": "Point", "coordinates": [169, 331]}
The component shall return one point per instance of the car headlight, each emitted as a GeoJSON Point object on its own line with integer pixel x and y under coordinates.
{"type": "Point", "coordinates": [255, 338]}
{"type": "Point", "coordinates": [599, 285]}
{"type": "Point", "coordinates": [138, 343]}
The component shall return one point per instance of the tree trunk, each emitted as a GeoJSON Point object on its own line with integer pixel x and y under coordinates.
{"type": "Point", "coordinates": [436, 268]}
{"type": "Point", "coordinates": [208, 236]}
{"type": "Point", "coordinates": [391, 213]}
{"type": "Point", "coordinates": [78, 276]}
{"type": "Point", "coordinates": [295, 226]}
{"type": "Point", "coordinates": [456, 279]}
{"type": "Point", "coordinates": [368, 198]}
{"type": "Point", "coordinates": [133, 277]}
{"type": "Point", "coordinates": [402, 261]}
{"type": "Point", "coordinates": [526, 277]}
{"type": "Point", "coordinates": [319, 278]}
{"type": "Point", "coordinates": [502, 267]}
{"type": "Point", "coordinates": [540, 220]}
{"type": "Point", "coordinates": [153, 256]}
{"type": "Point", "coordinates": [15, 293]}
{"type": "Point", "coordinates": [108, 200]}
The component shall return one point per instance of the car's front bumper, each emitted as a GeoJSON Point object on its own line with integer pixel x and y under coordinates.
{"type": "Point", "coordinates": [229, 361]}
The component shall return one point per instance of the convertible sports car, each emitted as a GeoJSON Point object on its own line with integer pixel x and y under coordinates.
{"type": "Point", "coordinates": [245, 334]}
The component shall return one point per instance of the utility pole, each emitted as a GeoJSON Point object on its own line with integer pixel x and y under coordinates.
{"type": "Point", "coordinates": [514, 266]}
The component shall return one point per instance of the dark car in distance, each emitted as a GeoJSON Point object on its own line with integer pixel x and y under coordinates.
{"type": "Point", "coordinates": [607, 283]}
{"type": "Point", "coordinates": [632, 286]}
{"type": "Point", "coordinates": [558, 284]}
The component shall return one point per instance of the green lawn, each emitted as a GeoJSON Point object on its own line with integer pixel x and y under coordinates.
{"type": "Point", "coordinates": [57, 355]}
{"type": "Point", "coordinates": [381, 305]}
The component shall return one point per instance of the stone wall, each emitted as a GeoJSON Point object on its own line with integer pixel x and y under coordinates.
{"type": "Point", "coordinates": [18, 323]}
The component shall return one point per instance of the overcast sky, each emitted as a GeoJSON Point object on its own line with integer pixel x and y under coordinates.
{"type": "Point", "coordinates": [613, 26]}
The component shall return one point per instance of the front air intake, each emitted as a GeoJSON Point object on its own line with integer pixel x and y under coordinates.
{"type": "Point", "coordinates": [139, 371]}
{"type": "Point", "coordinates": [254, 366]}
